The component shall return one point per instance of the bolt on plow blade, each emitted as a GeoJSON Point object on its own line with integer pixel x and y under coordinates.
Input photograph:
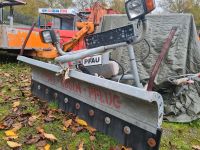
{"type": "Point", "coordinates": [131, 115]}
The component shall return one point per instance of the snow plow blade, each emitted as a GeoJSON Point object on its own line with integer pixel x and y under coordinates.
{"type": "Point", "coordinates": [131, 115]}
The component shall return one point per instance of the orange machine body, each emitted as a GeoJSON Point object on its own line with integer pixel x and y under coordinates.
{"type": "Point", "coordinates": [12, 38]}
{"type": "Point", "coordinates": [70, 30]}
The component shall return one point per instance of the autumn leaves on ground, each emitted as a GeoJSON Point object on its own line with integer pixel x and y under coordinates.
{"type": "Point", "coordinates": [28, 123]}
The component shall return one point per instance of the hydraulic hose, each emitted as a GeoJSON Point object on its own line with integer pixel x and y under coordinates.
{"type": "Point", "coordinates": [142, 33]}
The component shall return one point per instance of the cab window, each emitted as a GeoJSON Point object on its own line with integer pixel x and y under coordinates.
{"type": "Point", "coordinates": [67, 24]}
{"type": "Point", "coordinates": [56, 23]}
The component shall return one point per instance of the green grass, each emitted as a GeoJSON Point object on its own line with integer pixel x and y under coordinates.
{"type": "Point", "coordinates": [175, 136]}
{"type": "Point", "coordinates": [180, 136]}
{"type": "Point", "coordinates": [53, 105]}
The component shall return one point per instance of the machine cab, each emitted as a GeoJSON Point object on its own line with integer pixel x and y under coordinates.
{"type": "Point", "coordinates": [63, 21]}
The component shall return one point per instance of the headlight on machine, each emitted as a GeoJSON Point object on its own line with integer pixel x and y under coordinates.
{"type": "Point", "coordinates": [138, 8]}
{"type": "Point", "coordinates": [48, 36]}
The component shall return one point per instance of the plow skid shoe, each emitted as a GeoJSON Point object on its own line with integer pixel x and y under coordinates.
{"type": "Point", "coordinates": [131, 115]}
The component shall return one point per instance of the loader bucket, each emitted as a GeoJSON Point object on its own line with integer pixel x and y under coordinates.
{"type": "Point", "coordinates": [131, 115]}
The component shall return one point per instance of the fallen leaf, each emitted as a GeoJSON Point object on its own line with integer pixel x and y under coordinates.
{"type": "Point", "coordinates": [15, 109]}
{"type": "Point", "coordinates": [59, 148]}
{"type": "Point", "coordinates": [47, 147]}
{"type": "Point", "coordinates": [1, 95]}
{"type": "Point", "coordinates": [80, 147]}
{"type": "Point", "coordinates": [32, 139]}
{"type": "Point", "coordinates": [50, 137]}
{"type": "Point", "coordinates": [124, 148]}
{"type": "Point", "coordinates": [73, 134]}
{"type": "Point", "coordinates": [10, 138]}
{"type": "Point", "coordinates": [24, 81]}
{"type": "Point", "coordinates": [92, 138]}
{"type": "Point", "coordinates": [8, 122]}
{"type": "Point", "coordinates": [67, 123]}
{"type": "Point", "coordinates": [6, 75]}
{"type": "Point", "coordinates": [16, 127]}
{"type": "Point", "coordinates": [10, 133]}
{"type": "Point", "coordinates": [81, 122]}
{"type": "Point", "coordinates": [25, 115]}
{"type": "Point", "coordinates": [92, 148]}
{"type": "Point", "coordinates": [64, 129]}
{"type": "Point", "coordinates": [49, 118]}
{"type": "Point", "coordinates": [91, 129]}
{"type": "Point", "coordinates": [196, 147]}
{"type": "Point", "coordinates": [2, 126]}
{"type": "Point", "coordinates": [40, 130]}
{"type": "Point", "coordinates": [77, 129]}
{"type": "Point", "coordinates": [41, 143]}
{"type": "Point", "coordinates": [31, 120]}
{"type": "Point", "coordinates": [15, 98]}
{"type": "Point", "coordinates": [115, 148]}
{"type": "Point", "coordinates": [13, 144]}
{"type": "Point", "coordinates": [13, 89]}
{"type": "Point", "coordinates": [16, 104]}
{"type": "Point", "coordinates": [6, 98]}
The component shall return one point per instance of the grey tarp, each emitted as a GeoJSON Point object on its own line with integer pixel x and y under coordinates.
{"type": "Point", "coordinates": [183, 57]}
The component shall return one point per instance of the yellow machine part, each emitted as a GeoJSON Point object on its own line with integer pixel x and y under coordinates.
{"type": "Point", "coordinates": [84, 29]}
{"type": "Point", "coordinates": [43, 54]}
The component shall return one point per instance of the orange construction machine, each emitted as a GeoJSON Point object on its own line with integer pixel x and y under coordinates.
{"type": "Point", "coordinates": [71, 27]}
{"type": "Point", "coordinates": [13, 36]}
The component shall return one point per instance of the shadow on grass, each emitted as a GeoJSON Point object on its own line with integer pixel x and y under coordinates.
{"type": "Point", "coordinates": [7, 57]}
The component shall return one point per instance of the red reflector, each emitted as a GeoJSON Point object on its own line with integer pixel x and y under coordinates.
{"type": "Point", "coordinates": [150, 5]}
{"type": "Point", "coordinates": [199, 75]}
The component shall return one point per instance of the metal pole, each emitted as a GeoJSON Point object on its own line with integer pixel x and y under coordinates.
{"type": "Point", "coordinates": [72, 56]}
{"type": "Point", "coordinates": [11, 16]}
{"type": "Point", "coordinates": [160, 58]}
{"type": "Point", "coordinates": [27, 38]}
{"type": "Point", "coordinates": [134, 69]}
{"type": "Point", "coordinates": [1, 15]}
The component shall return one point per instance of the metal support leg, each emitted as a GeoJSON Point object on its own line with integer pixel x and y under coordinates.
{"type": "Point", "coordinates": [134, 69]}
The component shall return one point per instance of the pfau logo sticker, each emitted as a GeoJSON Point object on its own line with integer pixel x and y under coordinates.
{"type": "Point", "coordinates": [91, 61]}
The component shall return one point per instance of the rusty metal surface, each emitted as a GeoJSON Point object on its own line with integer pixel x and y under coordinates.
{"type": "Point", "coordinates": [27, 38]}
{"type": "Point", "coordinates": [160, 58]}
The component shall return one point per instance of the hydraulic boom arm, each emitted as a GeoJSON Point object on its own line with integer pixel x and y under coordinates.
{"type": "Point", "coordinates": [97, 11]}
{"type": "Point", "coordinates": [84, 29]}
